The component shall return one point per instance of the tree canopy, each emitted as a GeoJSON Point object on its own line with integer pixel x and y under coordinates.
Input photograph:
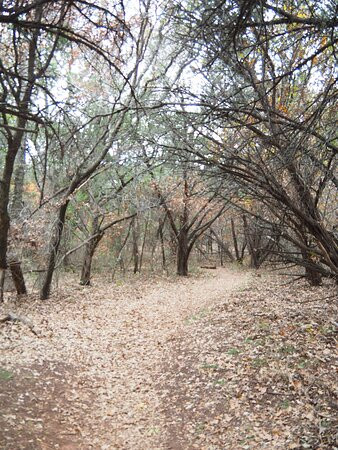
{"type": "Point", "coordinates": [119, 114]}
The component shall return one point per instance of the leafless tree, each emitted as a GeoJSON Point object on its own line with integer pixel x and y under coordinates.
{"type": "Point", "coordinates": [266, 108]}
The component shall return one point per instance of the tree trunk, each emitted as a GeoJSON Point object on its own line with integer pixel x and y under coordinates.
{"type": "Point", "coordinates": [14, 140]}
{"type": "Point", "coordinates": [160, 232]}
{"type": "Point", "coordinates": [182, 253]}
{"type": "Point", "coordinates": [2, 284]}
{"type": "Point", "coordinates": [119, 259]}
{"type": "Point", "coordinates": [89, 252]}
{"type": "Point", "coordinates": [313, 277]}
{"type": "Point", "coordinates": [135, 248]}
{"type": "Point", "coordinates": [312, 220]}
{"type": "Point", "coordinates": [182, 262]}
{"type": "Point", "coordinates": [251, 245]}
{"type": "Point", "coordinates": [17, 277]}
{"type": "Point", "coordinates": [4, 228]}
{"type": "Point", "coordinates": [19, 177]}
{"type": "Point", "coordinates": [234, 238]}
{"type": "Point", "coordinates": [224, 248]}
{"type": "Point", "coordinates": [220, 254]}
{"type": "Point", "coordinates": [87, 261]}
{"type": "Point", "coordinates": [144, 241]}
{"type": "Point", "coordinates": [53, 251]}
{"type": "Point", "coordinates": [4, 199]}
{"type": "Point", "coordinates": [209, 245]}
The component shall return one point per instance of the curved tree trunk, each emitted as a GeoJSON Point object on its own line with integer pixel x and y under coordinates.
{"type": "Point", "coordinates": [87, 262]}
{"type": "Point", "coordinates": [53, 251]}
{"type": "Point", "coordinates": [312, 275]}
{"type": "Point", "coordinates": [89, 253]}
{"type": "Point", "coordinates": [313, 223]}
{"type": "Point", "coordinates": [223, 248]}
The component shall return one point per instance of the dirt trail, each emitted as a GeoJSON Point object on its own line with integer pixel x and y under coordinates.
{"type": "Point", "coordinates": [90, 379]}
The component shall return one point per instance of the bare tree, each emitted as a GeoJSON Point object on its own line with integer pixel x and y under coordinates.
{"type": "Point", "coordinates": [269, 124]}
{"type": "Point", "coordinates": [31, 36]}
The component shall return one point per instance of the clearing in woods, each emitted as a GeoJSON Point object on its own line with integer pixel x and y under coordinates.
{"type": "Point", "coordinates": [225, 360]}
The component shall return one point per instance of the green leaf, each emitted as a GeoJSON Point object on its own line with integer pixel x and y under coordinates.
{"type": "Point", "coordinates": [233, 351]}
{"type": "Point", "coordinates": [5, 375]}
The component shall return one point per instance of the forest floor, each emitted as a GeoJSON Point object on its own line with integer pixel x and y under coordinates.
{"type": "Point", "coordinates": [223, 360]}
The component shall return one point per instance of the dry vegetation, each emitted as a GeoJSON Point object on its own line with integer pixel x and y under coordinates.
{"type": "Point", "coordinates": [224, 360]}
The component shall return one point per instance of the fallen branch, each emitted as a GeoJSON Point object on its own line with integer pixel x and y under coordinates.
{"type": "Point", "coordinates": [14, 318]}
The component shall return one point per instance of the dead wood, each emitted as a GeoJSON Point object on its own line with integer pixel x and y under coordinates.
{"type": "Point", "coordinates": [10, 317]}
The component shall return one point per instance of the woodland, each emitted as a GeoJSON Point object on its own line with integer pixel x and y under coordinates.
{"type": "Point", "coordinates": [159, 131]}
{"type": "Point", "coordinates": [183, 147]}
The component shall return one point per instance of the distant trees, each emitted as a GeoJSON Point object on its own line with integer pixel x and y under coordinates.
{"type": "Point", "coordinates": [21, 70]}
{"type": "Point", "coordinates": [191, 209]}
{"type": "Point", "coordinates": [70, 73]}
{"type": "Point", "coordinates": [266, 106]}
{"type": "Point", "coordinates": [189, 107]}
{"type": "Point", "coordinates": [33, 34]}
{"type": "Point", "coordinates": [191, 202]}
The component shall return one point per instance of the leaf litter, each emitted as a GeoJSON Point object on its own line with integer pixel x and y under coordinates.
{"type": "Point", "coordinates": [225, 360]}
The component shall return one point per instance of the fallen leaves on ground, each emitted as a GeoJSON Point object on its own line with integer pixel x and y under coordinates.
{"type": "Point", "coordinates": [258, 372]}
{"type": "Point", "coordinates": [222, 361]}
